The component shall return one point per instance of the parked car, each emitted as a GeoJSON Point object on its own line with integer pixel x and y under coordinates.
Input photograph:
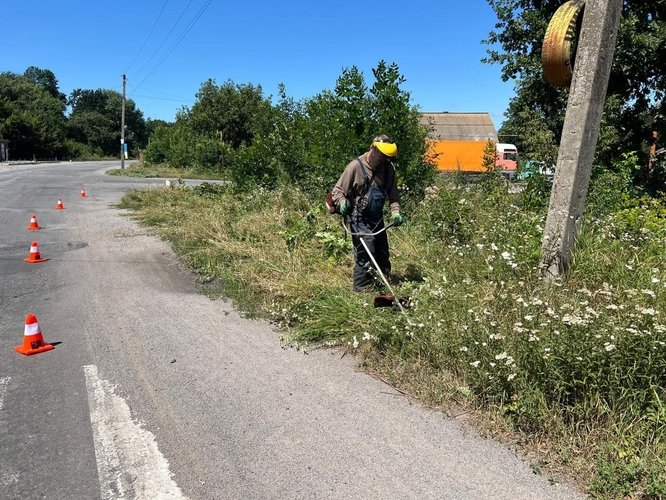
{"type": "Point", "coordinates": [529, 168]}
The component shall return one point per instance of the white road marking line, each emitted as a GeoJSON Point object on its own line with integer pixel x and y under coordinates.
{"type": "Point", "coordinates": [129, 463]}
{"type": "Point", "coordinates": [3, 389]}
{"type": "Point", "coordinates": [7, 475]}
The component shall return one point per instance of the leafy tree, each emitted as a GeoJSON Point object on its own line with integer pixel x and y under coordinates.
{"type": "Point", "coordinates": [636, 88]}
{"type": "Point", "coordinates": [31, 117]}
{"type": "Point", "coordinates": [46, 79]}
{"type": "Point", "coordinates": [95, 121]}
{"type": "Point", "coordinates": [234, 128]}
{"type": "Point", "coordinates": [237, 112]}
{"type": "Point", "coordinates": [341, 124]}
{"type": "Point", "coordinates": [152, 125]}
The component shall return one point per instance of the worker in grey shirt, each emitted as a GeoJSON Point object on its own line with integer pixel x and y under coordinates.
{"type": "Point", "coordinates": [366, 183]}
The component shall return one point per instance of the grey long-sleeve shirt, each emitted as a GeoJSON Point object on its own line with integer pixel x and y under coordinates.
{"type": "Point", "coordinates": [351, 183]}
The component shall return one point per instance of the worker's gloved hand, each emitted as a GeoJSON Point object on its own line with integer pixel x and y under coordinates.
{"type": "Point", "coordinates": [344, 207]}
{"type": "Point", "coordinates": [397, 219]}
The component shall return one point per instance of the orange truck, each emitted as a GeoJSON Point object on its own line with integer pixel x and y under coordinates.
{"type": "Point", "coordinates": [467, 156]}
{"type": "Point", "coordinates": [458, 140]}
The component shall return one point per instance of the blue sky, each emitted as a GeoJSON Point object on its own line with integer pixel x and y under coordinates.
{"type": "Point", "coordinates": [305, 45]}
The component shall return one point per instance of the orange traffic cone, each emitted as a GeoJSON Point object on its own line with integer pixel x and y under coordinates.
{"type": "Point", "coordinates": [33, 256]}
{"type": "Point", "coordinates": [33, 341]}
{"type": "Point", "coordinates": [83, 194]}
{"type": "Point", "coordinates": [33, 224]}
{"type": "Point", "coordinates": [60, 206]}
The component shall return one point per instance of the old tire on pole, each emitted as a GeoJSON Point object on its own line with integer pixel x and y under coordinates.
{"type": "Point", "coordinates": [558, 49]}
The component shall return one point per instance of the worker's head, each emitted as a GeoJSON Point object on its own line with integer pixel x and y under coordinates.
{"type": "Point", "coordinates": [382, 149]}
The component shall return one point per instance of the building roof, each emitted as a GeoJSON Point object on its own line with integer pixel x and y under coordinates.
{"type": "Point", "coordinates": [459, 126]}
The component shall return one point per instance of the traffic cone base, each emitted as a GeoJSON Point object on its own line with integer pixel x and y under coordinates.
{"type": "Point", "coordinates": [33, 341]}
{"type": "Point", "coordinates": [83, 194]}
{"type": "Point", "coordinates": [29, 351]}
{"type": "Point", "coordinates": [34, 257]}
{"type": "Point", "coordinates": [59, 205]}
{"type": "Point", "coordinates": [34, 226]}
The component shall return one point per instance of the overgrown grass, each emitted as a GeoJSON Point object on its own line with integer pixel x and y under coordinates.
{"type": "Point", "coordinates": [576, 366]}
{"type": "Point", "coordinates": [148, 171]}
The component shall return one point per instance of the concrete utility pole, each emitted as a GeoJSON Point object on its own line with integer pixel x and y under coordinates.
{"type": "Point", "coordinates": [594, 57]}
{"type": "Point", "coordinates": [122, 127]}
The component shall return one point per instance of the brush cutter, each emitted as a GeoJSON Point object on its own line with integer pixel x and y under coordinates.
{"type": "Point", "coordinates": [388, 300]}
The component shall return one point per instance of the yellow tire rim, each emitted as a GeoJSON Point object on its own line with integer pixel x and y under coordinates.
{"type": "Point", "coordinates": [557, 52]}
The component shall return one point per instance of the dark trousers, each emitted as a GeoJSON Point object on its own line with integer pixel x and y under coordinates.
{"type": "Point", "coordinates": [364, 272]}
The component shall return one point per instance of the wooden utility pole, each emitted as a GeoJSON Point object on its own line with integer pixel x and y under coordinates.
{"type": "Point", "coordinates": [594, 57]}
{"type": "Point", "coordinates": [122, 127]}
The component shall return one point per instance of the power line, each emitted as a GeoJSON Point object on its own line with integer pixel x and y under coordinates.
{"type": "Point", "coordinates": [165, 38]}
{"type": "Point", "coordinates": [160, 92]}
{"type": "Point", "coordinates": [150, 33]}
{"type": "Point", "coordinates": [173, 47]}
{"type": "Point", "coordinates": [183, 100]}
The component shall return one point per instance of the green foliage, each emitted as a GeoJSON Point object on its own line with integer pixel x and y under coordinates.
{"type": "Point", "coordinates": [610, 187]}
{"type": "Point", "coordinates": [446, 218]}
{"type": "Point", "coordinates": [47, 80]}
{"type": "Point", "coordinates": [578, 362]}
{"type": "Point", "coordinates": [179, 147]}
{"type": "Point", "coordinates": [95, 121]}
{"type": "Point", "coordinates": [536, 194]}
{"type": "Point", "coordinates": [636, 88]}
{"type": "Point", "coordinates": [233, 129]}
{"type": "Point", "coordinates": [236, 113]}
{"type": "Point", "coordinates": [489, 157]}
{"type": "Point", "coordinates": [31, 118]}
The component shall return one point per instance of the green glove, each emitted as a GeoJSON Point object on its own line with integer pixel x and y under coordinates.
{"type": "Point", "coordinates": [344, 208]}
{"type": "Point", "coordinates": [397, 219]}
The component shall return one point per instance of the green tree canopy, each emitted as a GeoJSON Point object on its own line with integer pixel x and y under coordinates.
{"type": "Point", "coordinates": [96, 117]}
{"type": "Point", "coordinates": [636, 88]}
{"type": "Point", "coordinates": [46, 79]}
{"type": "Point", "coordinates": [236, 111]}
{"type": "Point", "coordinates": [31, 117]}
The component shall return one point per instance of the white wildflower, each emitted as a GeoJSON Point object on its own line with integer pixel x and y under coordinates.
{"type": "Point", "coordinates": [475, 364]}
{"type": "Point", "coordinates": [506, 255]}
{"type": "Point", "coordinates": [591, 311]}
{"type": "Point", "coordinates": [355, 344]}
{"type": "Point", "coordinates": [649, 292]}
{"type": "Point", "coordinates": [463, 349]}
{"type": "Point", "coordinates": [572, 319]}
{"type": "Point", "coordinates": [609, 347]}
{"type": "Point", "coordinates": [503, 355]}
{"type": "Point", "coordinates": [510, 377]}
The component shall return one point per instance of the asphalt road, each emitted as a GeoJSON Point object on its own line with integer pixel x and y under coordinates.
{"type": "Point", "coordinates": [156, 391]}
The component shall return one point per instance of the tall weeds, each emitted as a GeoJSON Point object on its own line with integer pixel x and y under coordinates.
{"type": "Point", "coordinates": [578, 363]}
